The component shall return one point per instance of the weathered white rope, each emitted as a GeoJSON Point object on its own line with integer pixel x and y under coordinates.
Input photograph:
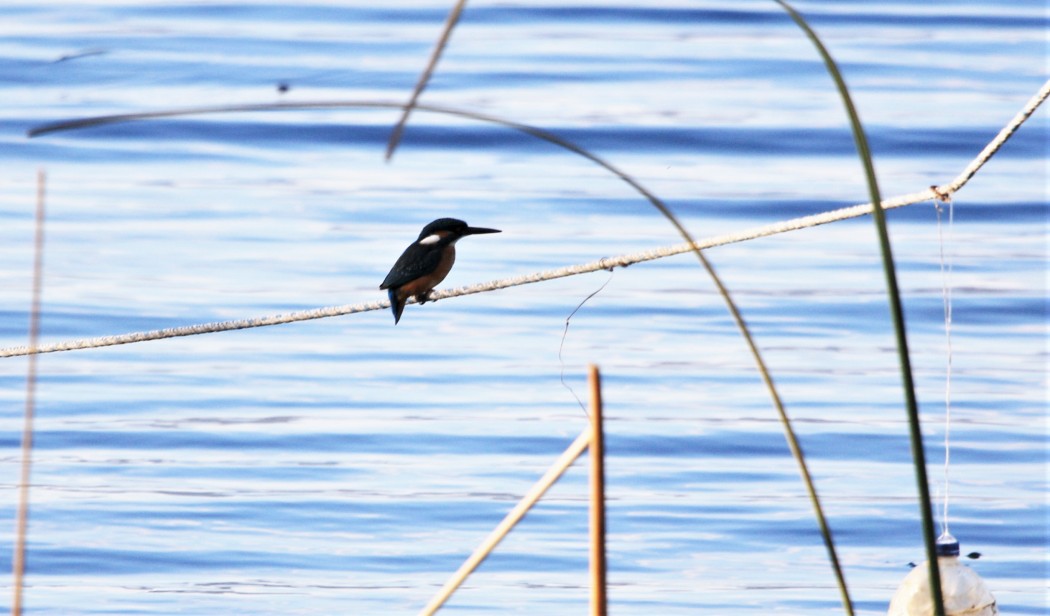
{"type": "Point", "coordinates": [936, 192]}
{"type": "Point", "coordinates": [601, 264]}
{"type": "Point", "coordinates": [994, 145]}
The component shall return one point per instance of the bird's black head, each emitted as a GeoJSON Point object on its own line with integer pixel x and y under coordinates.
{"type": "Point", "coordinates": [451, 227]}
{"type": "Point", "coordinates": [448, 225]}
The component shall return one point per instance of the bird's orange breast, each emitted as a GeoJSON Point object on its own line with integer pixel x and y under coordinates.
{"type": "Point", "coordinates": [424, 284]}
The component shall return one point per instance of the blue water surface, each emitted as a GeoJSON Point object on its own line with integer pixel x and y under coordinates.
{"type": "Point", "coordinates": [347, 465]}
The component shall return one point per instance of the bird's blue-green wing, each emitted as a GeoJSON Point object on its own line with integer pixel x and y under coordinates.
{"type": "Point", "coordinates": [417, 260]}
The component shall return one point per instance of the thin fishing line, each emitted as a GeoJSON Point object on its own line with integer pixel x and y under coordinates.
{"type": "Point", "coordinates": [565, 333]}
{"type": "Point", "coordinates": [947, 267]}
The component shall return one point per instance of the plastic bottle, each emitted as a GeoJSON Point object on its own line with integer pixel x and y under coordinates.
{"type": "Point", "coordinates": [965, 593]}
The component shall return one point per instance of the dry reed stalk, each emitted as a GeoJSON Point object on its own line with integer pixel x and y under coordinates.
{"type": "Point", "coordinates": [537, 491]}
{"type": "Point", "coordinates": [597, 514]}
{"type": "Point", "coordinates": [424, 78]}
{"type": "Point", "coordinates": [18, 560]}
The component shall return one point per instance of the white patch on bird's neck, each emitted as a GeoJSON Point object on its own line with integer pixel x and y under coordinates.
{"type": "Point", "coordinates": [433, 238]}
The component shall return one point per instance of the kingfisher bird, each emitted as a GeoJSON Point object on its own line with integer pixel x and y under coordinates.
{"type": "Point", "coordinates": [426, 262]}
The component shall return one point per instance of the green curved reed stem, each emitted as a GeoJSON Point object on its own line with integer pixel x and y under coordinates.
{"type": "Point", "coordinates": [793, 444]}
{"type": "Point", "coordinates": [896, 310]}
{"type": "Point", "coordinates": [789, 433]}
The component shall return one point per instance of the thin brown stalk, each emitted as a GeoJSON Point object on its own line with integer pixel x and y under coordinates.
{"type": "Point", "coordinates": [515, 515]}
{"type": "Point", "coordinates": [22, 521]}
{"type": "Point", "coordinates": [597, 513]}
{"type": "Point", "coordinates": [446, 33]}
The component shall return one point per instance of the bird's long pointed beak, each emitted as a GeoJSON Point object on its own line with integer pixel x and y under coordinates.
{"type": "Point", "coordinates": [479, 230]}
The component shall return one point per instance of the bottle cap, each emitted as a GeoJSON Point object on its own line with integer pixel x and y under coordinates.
{"type": "Point", "coordinates": [947, 545]}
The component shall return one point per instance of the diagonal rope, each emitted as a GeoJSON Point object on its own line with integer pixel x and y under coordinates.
{"type": "Point", "coordinates": [495, 285]}
{"type": "Point", "coordinates": [804, 222]}
{"type": "Point", "coordinates": [993, 146]}
{"type": "Point", "coordinates": [780, 227]}
{"type": "Point", "coordinates": [936, 192]}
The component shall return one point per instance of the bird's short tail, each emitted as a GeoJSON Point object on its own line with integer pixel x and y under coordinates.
{"type": "Point", "coordinates": [397, 306]}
